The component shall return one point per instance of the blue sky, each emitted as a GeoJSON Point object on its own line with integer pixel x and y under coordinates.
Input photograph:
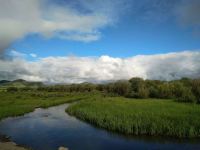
{"type": "Point", "coordinates": [131, 34]}
{"type": "Point", "coordinates": [74, 41]}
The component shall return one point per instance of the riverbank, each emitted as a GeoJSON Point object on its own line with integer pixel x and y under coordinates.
{"type": "Point", "coordinates": [10, 146]}
{"type": "Point", "coordinates": [140, 117]}
{"type": "Point", "coordinates": [19, 103]}
{"type": "Point", "coordinates": [14, 146]}
{"type": "Point", "coordinates": [119, 114]}
{"type": "Point", "coordinates": [6, 144]}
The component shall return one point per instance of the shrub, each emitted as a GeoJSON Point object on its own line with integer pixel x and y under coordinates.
{"type": "Point", "coordinates": [153, 92]}
{"type": "Point", "coordinates": [165, 90]}
{"type": "Point", "coordinates": [25, 89]}
{"type": "Point", "coordinates": [183, 93]}
{"type": "Point", "coordinates": [196, 89]}
{"type": "Point", "coordinates": [139, 88]}
{"type": "Point", "coordinates": [12, 89]}
{"type": "Point", "coordinates": [143, 92]}
{"type": "Point", "coordinates": [122, 88]}
{"type": "Point", "coordinates": [136, 83]}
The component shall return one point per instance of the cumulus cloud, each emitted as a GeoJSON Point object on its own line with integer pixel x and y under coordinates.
{"type": "Point", "coordinates": [79, 21]}
{"type": "Point", "coordinates": [97, 69]}
{"type": "Point", "coordinates": [16, 54]}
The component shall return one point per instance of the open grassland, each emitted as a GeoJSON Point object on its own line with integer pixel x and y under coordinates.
{"type": "Point", "coordinates": [140, 117]}
{"type": "Point", "coordinates": [18, 103]}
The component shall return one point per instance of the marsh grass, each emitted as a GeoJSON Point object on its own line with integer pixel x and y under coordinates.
{"type": "Point", "coordinates": [140, 117]}
{"type": "Point", "coordinates": [19, 103]}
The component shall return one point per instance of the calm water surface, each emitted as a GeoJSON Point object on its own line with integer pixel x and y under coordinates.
{"type": "Point", "coordinates": [47, 129]}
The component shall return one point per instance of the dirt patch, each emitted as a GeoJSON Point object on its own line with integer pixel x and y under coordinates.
{"type": "Point", "coordinates": [10, 146]}
{"type": "Point", "coordinates": [6, 144]}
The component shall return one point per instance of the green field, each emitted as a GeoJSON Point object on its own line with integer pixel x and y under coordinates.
{"type": "Point", "coordinates": [119, 114]}
{"type": "Point", "coordinates": [140, 117]}
{"type": "Point", "coordinates": [18, 103]}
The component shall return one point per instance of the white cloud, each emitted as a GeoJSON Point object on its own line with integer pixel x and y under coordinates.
{"type": "Point", "coordinates": [79, 21]}
{"type": "Point", "coordinates": [17, 54]}
{"type": "Point", "coordinates": [96, 69]}
{"type": "Point", "coordinates": [33, 55]}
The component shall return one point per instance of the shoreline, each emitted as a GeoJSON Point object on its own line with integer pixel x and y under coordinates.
{"type": "Point", "coordinates": [7, 144]}
{"type": "Point", "coordinates": [11, 146]}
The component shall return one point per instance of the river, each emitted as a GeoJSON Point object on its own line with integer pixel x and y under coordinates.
{"type": "Point", "coordinates": [48, 129]}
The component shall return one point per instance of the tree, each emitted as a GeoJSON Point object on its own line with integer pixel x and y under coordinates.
{"type": "Point", "coordinates": [122, 87]}
{"type": "Point", "coordinates": [154, 92]}
{"type": "Point", "coordinates": [165, 90]}
{"type": "Point", "coordinates": [138, 88]}
{"type": "Point", "coordinates": [182, 92]}
{"type": "Point", "coordinates": [196, 89]}
{"type": "Point", "coordinates": [136, 83]}
{"type": "Point", "coordinates": [143, 92]}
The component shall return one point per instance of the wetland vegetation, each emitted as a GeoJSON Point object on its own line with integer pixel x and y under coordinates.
{"type": "Point", "coordinates": [140, 116]}
{"type": "Point", "coordinates": [135, 106]}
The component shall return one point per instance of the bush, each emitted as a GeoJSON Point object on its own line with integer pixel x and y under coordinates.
{"type": "Point", "coordinates": [196, 89]}
{"type": "Point", "coordinates": [183, 93]}
{"type": "Point", "coordinates": [138, 89]}
{"type": "Point", "coordinates": [153, 92]}
{"type": "Point", "coordinates": [143, 92]}
{"type": "Point", "coordinates": [122, 88]}
{"type": "Point", "coordinates": [26, 89]}
{"type": "Point", "coordinates": [136, 83]}
{"type": "Point", "coordinates": [165, 91]}
{"type": "Point", "coordinates": [12, 89]}
{"type": "Point", "coordinates": [186, 95]}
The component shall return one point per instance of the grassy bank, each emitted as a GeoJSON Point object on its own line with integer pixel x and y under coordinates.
{"type": "Point", "coordinates": [18, 103]}
{"type": "Point", "coordinates": [140, 117]}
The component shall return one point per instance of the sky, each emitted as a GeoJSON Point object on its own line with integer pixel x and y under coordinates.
{"type": "Point", "coordinates": [73, 41]}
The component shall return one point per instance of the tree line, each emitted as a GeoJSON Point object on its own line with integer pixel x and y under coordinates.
{"type": "Point", "coordinates": [183, 90]}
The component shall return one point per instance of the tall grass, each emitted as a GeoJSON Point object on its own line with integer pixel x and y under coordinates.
{"type": "Point", "coordinates": [18, 103]}
{"type": "Point", "coordinates": [140, 117]}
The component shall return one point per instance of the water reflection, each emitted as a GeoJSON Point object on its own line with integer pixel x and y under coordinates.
{"type": "Point", "coordinates": [47, 129]}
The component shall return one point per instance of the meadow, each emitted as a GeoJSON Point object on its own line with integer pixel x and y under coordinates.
{"type": "Point", "coordinates": [135, 107]}
{"type": "Point", "coordinates": [140, 116]}
{"type": "Point", "coordinates": [19, 103]}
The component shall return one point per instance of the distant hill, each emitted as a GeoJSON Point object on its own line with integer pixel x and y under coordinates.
{"type": "Point", "coordinates": [19, 83]}
{"type": "Point", "coordinates": [4, 82]}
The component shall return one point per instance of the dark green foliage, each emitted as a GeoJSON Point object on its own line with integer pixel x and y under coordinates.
{"type": "Point", "coordinates": [153, 92]}
{"type": "Point", "coordinates": [187, 96]}
{"type": "Point", "coordinates": [26, 89]}
{"type": "Point", "coordinates": [121, 87]}
{"type": "Point", "coordinates": [183, 93]}
{"type": "Point", "coordinates": [196, 89]}
{"type": "Point", "coordinates": [153, 86]}
{"type": "Point", "coordinates": [138, 88]}
{"type": "Point", "coordinates": [142, 92]}
{"type": "Point", "coordinates": [165, 90]}
{"type": "Point", "coordinates": [83, 87]}
{"type": "Point", "coordinates": [183, 90]}
{"type": "Point", "coordinates": [12, 89]}
{"type": "Point", "coordinates": [136, 83]}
